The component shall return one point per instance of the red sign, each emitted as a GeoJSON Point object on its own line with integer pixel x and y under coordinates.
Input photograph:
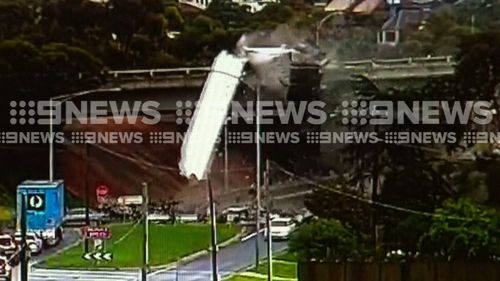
{"type": "Point", "coordinates": [96, 232]}
{"type": "Point", "coordinates": [102, 194]}
{"type": "Point", "coordinates": [102, 190]}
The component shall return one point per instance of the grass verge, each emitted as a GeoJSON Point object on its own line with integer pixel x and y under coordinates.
{"type": "Point", "coordinates": [167, 244]}
{"type": "Point", "coordinates": [284, 268]}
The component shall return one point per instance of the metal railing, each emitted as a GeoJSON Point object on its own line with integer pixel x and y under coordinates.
{"type": "Point", "coordinates": [181, 72]}
{"type": "Point", "coordinates": [410, 61]}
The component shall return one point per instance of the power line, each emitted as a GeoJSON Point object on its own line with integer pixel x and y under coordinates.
{"type": "Point", "coordinates": [369, 201]}
{"type": "Point", "coordinates": [142, 164]}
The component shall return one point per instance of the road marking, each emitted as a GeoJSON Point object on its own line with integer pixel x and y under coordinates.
{"type": "Point", "coordinates": [253, 234]}
{"type": "Point", "coordinates": [82, 275]}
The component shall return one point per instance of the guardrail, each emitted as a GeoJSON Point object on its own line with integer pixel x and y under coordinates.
{"type": "Point", "coordinates": [203, 70]}
{"type": "Point", "coordinates": [400, 61]}
{"type": "Point", "coordinates": [160, 72]}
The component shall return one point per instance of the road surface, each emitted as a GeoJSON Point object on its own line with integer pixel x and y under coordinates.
{"type": "Point", "coordinates": [39, 274]}
{"type": "Point", "coordinates": [233, 258]}
{"type": "Point", "coordinates": [71, 236]}
{"type": "Point", "coordinates": [230, 259]}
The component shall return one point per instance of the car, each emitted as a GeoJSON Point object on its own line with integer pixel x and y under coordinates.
{"type": "Point", "coordinates": [5, 269]}
{"type": "Point", "coordinates": [76, 217]}
{"type": "Point", "coordinates": [281, 228]}
{"type": "Point", "coordinates": [7, 245]}
{"type": "Point", "coordinates": [35, 243]}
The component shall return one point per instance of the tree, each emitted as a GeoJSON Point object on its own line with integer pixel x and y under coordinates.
{"type": "Point", "coordinates": [67, 59]}
{"type": "Point", "coordinates": [232, 15]}
{"type": "Point", "coordinates": [326, 202]}
{"type": "Point", "coordinates": [478, 72]}
{"type": "Point", "coordinates": [174, 18]}
{"type": "Point", "coordinates": [325, 240]}
{"type": "Point", "coordinates": [15, 17]}
{"type": "Point", "coordinates": [463, 229]}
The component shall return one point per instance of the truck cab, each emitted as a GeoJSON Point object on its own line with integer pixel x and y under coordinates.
{"type": "Point", "coordinates": [44, 209]}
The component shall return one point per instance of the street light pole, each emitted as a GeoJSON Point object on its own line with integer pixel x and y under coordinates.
{"type": "Point", "coordinates": [213, 230]}
{"type": "Point", "coordinates": [24, 245]}
{"type": "Point", "coordinates": [61, 99]}
{"type": "Point", "coordinates": [51, 144]}
{"type": "Point", "coordinates": [268, 224]}
{"type": "Point", "coordinates": [320, 24]}
{"type": "Point", "coordinates": [257, 174]}
{"type": "Point", "coordinates": [87, 195]}
{"type": "Point", "coordinates": [145, 242]}
{"type": "Point", "coordinates": [226, 157]}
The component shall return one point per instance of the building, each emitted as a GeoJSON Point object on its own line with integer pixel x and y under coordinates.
{"type": "Point", "coordinates": [253, 5]}
{"type": "Point", "coordinates": [404, 18]}
{"type": "Point", "coordinates": [400, 24]}
{"type": "Point", "coordinates": [361, 7]}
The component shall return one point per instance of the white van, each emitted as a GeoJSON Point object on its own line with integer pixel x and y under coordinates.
{"type": "Point", "coordinates": [281, 228]}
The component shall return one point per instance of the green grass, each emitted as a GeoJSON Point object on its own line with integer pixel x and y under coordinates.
{"type": "Point", "coordinates": [284, 269]}
{"type": "Point", "coordinates": [284, 265]}
{"type": "Point", "coordinates": [244, 278]}
{"type": "Point", "coordinates": [5, 214]}
{"type": "Point", "coordinates": [167, 244]}
{"type": "Point", "coordinates": [6, 206]}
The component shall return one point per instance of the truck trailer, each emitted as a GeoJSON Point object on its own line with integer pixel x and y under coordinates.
{"type": "Point", "coordinates": [44, 209]}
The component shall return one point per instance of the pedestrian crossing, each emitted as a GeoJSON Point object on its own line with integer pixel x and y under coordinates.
{"type": "Point", "coordinates": [39, 274]}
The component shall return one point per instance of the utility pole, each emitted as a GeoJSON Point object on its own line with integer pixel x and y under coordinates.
{"type": "Point", "coordinates": [51, 144]}
{"type": "Point", "coordinates": [145, 243]}
{"type": "Point", "coordinates": [213, 230]}
{"type": "Point", "coordinates": [257, 175]}
{"type": "Point", "coordinates": [24, 245]}
{"type": "Point", "coordinates": [375, 188]}
{"type": "Point", "coordinates": [87, 195]}
{"type": "Point", "coordinates": [226, 158]}
{"type": "Point", "coordinates": [268, 224]}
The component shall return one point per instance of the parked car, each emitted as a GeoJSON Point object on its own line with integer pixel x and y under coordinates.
{"type": "Point", "coordinates": [76, 217]}
{"type": "Point", "coordinates": [7, 246]}
{"type": "Point", "coordinates": [5, 269]}
{"type": "Point", "coordinates": [34, 242]}
{"type": "Point", "coordinates": [281, 228]}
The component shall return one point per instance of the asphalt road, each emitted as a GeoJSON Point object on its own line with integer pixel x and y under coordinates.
{"type": "Point", "coordinates": [71, 236]}
{"type": "Point", "coordinates": [231, 259]}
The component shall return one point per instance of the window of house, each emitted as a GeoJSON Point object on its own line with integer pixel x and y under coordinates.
{"type": "Point", "coordinates": [390, 36]}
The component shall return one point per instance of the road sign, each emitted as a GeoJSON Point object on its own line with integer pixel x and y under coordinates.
{"type": "Point", "coordinates": [98, 256]}
{"type": "Point", "coordinates": [129, 200]}
{"type": "Point", "coordinates": [90, 232]}
{"type": "Point", "coordinates": [102, 193]}
{"type": "Point", "coordinates": [102, 190]}
{"type": "Point", "coordinates": [98, 245]}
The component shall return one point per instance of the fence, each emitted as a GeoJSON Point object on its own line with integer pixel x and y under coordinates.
{"type": "Point", "coordinates": [418, 270]}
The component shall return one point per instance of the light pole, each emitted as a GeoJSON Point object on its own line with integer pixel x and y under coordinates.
{"type": "Point", "coordinates": [226, 156]}
{"type": "Point", "coordinates": [24, 245]}
{"type": "Point", "coordinates": [213, 230]}
{"type": "Point", "coordinates": [320, 24]}
{"type": "Point", "coordinates": [145, 243]}
{"type": "Point", "coordinates": [257, 91]}
{"type": "Point", "coordinates": [257, 165]}
{"type": "Point", "coordinates": [60, 99]}
{"type": "Point", "coordinates": [268, 224]}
